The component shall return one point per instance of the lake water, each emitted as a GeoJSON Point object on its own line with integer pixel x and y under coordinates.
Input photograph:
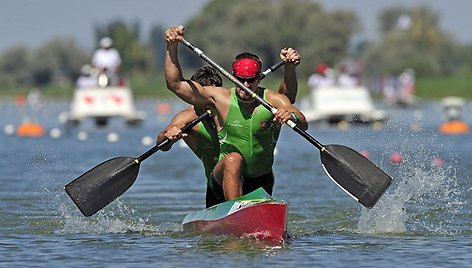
{"type": "Point", "coordinates": [423, 220]}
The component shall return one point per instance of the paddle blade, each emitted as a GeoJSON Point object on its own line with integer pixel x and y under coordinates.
{"type": "Point", "coordinates": [102, 184]}
{"type": "Point", "coordinates": [355, 174]}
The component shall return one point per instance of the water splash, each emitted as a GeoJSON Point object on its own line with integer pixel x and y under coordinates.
{"type": "Point", "coordinates": [425, 198]}
{"type": "Point", "coordinates": [118, 218]}
{"type": "Point", "coordinates": [55, 213]}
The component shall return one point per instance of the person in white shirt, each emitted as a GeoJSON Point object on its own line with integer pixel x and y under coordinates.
{"type": "Point", "coordinates": [346, 78]}
{"type": "Point", "coordinates": [86, 79]}
{"type": "Point", "coordinates": [321, 78]}
{"type": "Point", "coordinates": [407, 82]}
{"type": "Point", "coordinates": [107, 59]}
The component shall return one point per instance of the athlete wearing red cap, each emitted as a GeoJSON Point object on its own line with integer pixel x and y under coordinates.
{"type": "Point", "coordinates": [246, 67]}
{"type": "Point", "coordinates": [247, 131]}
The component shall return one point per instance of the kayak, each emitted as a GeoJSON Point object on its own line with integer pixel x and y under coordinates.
{"type": "Point", "coordinates": [255, 214]}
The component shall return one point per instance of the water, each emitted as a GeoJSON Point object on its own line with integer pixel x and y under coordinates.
{"type": "Point", "coordinates": [423, 220]}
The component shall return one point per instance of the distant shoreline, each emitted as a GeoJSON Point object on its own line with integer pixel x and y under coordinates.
{"type": "Point", "coordinates": [433, 88]}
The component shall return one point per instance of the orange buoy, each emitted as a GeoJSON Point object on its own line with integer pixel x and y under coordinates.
{"type": "Point", "coordinates": [20, 100]}
{"type": "Point", "coordinates": [30, 130]}
{"type": "Point", "coordinates": [164, 108]}
{"type": "Point", "coordinates": [454, 127]}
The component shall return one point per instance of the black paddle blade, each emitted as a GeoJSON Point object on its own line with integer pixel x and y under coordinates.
{"type": "Point", "coordinates": [102, 184]}
{"type": "Point", "coordinates": [355, 174]}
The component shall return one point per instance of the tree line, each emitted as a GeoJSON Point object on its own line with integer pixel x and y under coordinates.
{"type": "Point", "coordinates": [409, 38]}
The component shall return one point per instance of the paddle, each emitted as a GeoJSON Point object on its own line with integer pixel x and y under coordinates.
{"type": "Point", "coordinates": [351, 171]}
{"type": "Point", "coordinates": [107, 181]}
{"type": "Point", "coordinates": [271, 69]}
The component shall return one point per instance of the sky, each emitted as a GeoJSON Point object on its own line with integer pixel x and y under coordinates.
{"type": "Point", "coordinates": [34, 22]}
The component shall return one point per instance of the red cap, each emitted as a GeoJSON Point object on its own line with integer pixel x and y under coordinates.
{"type": "Point", "coordinates": [246, 68]}
{"type": "Point", "coordinates": [321, 68]}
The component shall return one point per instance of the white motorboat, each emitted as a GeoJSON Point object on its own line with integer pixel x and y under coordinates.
{"type": "Point", "coordinates": [102, 103]}
{"type": "Point", "coordinates": [337, 104]}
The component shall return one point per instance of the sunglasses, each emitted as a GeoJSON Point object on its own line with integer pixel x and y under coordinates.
{"type": "Point", "coordinates": [249, 80]}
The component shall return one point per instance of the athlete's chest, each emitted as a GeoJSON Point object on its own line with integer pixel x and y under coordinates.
{"type": "Point", "coordinates": [242, 121]}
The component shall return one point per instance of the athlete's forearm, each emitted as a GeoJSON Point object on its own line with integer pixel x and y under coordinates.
{"type": "Point", "coordinates": [289, 84]}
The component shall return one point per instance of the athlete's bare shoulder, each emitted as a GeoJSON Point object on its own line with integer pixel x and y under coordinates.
{"type": "Point", "coordinates": [276, 98]}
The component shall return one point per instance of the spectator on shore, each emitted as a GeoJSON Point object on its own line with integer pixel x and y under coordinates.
{"type": "Point", "coordinates": [321, 78]}
{"type": "Point", "coordinates": [107, 60]}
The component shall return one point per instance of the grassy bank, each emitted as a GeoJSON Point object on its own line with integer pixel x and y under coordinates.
{"type": "Point", "coordinates": [155, 87]}
{"type": "Point", "coordinates": [439, 87]}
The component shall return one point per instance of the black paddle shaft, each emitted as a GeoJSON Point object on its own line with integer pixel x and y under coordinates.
{"type": "Point", "coordinates": [271, 69]}
{"type": "Point", "coordinates": [351, 171]}
{"type": "Point", "coordinates": [186, 128]}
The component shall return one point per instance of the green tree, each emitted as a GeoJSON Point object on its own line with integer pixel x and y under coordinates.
{"type": "Point", "coordinates": [226, 28]}
{"type": "Point", "coordinates": [395, 53]}
{"type": "Point", "coordinates": [15, 67]}
{"type": "Point", "coordinates": [158, 47]}
{"type": "Point", "coordinates": [58, 61]}
{"type": "Point", "coordinates": [389, 18]}
{"type": "Point", "coordinates": [468, 60]}
{"type": "Point", "coordinates": [136, 57]}
{"type": "Point", "coordinates": [411, 38]}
